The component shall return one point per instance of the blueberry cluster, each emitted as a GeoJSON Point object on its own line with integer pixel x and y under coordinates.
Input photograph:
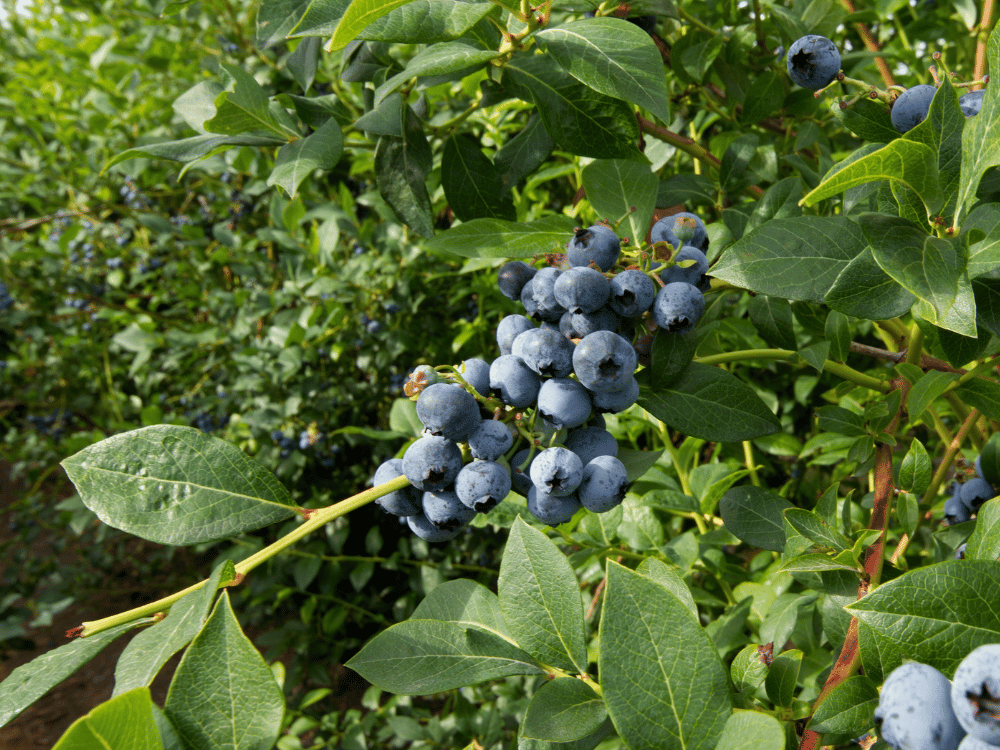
{"type": "Point", "coordinates": [53, 424]}
{"type": "Point", "coordinates": [919, 708]}
{"type": "Point", "coordinates": [134, 197]}
{"type": "Point", "coordinates": [6, 301]}
{"type": "Point", "coordinates": [532, 418]}
{"type": "Point", "coordinates": [968, 497]}
{"type": "Point", "coordinates": [206, 422]}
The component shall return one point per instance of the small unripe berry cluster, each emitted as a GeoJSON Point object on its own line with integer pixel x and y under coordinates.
{"type": "Point", "coordinates": [532, 418]}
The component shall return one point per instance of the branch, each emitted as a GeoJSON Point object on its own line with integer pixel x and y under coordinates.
{"type": "Point", "coordinates": [872, 45]}
{"type": "Point", "coordinates": [985, 24]}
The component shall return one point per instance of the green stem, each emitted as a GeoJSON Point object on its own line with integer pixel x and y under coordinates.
{"type": "Point", "coordinates": [317, 520]}
{"type": "Point", "coordinates": [916, 345]}
{"type": "Point", "coordinates": [786, 355]}
{"type": "Point", "coordinates": [695, 22]}
{"type": "Point", "coordinates": [748, 457]}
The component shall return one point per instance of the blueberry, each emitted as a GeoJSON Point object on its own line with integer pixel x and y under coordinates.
{"type": "Point", "coordinates": [547, 307]}
{"type": "Point", "coordinates": [512, 276]}
{"type": "Point", "coordinates": [617, 402]}
{"type": "Point", "coordinates": [960, 551]}
{"type": "Point", "coordinates": [513, 381]}
{"type": "Point", "coordinates": [955, 511]}
{"type": "Point", "coordinates": [423, 528]}
{"type": "Point", "coordinates": [911, 107]}
{"type": "Point", "coordinates": [404, 502]}
{"type": "Point", "coordinates": [813, 62]}
{"type": "Point", "coordinates": [582, 290]}
{"type": "Point", "coordinates": [915, 710]}
{"type": "Point", "coordinates": [680, 229]}
{"type": "Point", "coordinates": [972, 102]}
{"type": "Point", "coordinates": [590, 442]}
{"type": "Point", "coordinates": [521, 480]}
{"type": "Point", "coordinates": [303, 440]}
{"type": "Point", "coordinates": [477, 374]}
{"type": "Point", "coordinates": [445, 511]}
{"type": "Point", "coordinates": [509, 328]}
{"type": "Point", "coordinates": [566, 327]}
{"type": "Point", "coordinates": [632, 293]}
{"type": "Point", "coordinates": [528, 299]}
{"type": "Point", "coordinates": [678, 307]}
{"type": "Point", "coordinates": [604, 484]}
{"type": "Point", "coordinates": [691, 274]}
{"type": "Point", "coordinates": [432, 463]}
{"type": "Point", "coordinates": [975, 693]}
{"type": "Point", "coordinates": [598, 243]}
{"type": "Point", "coordinates": [550, 509]}
{"type": "Point", "coordinates": [604, 362]}
{"type": "Point", "coordinates": [583, 324]}
{"type": "Point", "coordinates": [975, 492]}
{"type": "Point", "coordinates": [545, 351]}
{"type": "Point", "coordinates": [490, 440]}
{"type": "Point", "coordinates": [563, 403]}
{"type": "Point", "coordinates": [448, 410]}
{"type": "Point", "coordinates": [482, 484]}
{"type": "Point", "coordinates": [374, 326]}
{"type": "Point", "coordinates": [557, 471]}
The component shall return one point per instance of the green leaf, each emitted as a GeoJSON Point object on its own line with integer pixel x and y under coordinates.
{"type": "Point", "coordinates": [578, 119]}
{"type": "Point", "coordinates": [781, 618]}
{"type": "Point", "coordinates": [247, 109]}
{"type": "Point", "coordinates": [177, 485]}
{"type": "Point", "coordinates": [655, 570]}
{"type": "Point", "coordinates": [908, 512]}
{"type": "Point", "coordinates": [663, 682]}
{"type": "Point", "coordinates": [864, 290]}
{"type": "Point", "coordinates": [840, 420]}
{"type": "Point", "coordinates": [403, 418]}
{"type": "Point", "coordinates": [868, 120]}
{"type": "Point", "coordinates": [984, 544]}
{"type": "Point", "coordinates": [302, 62]}
{"type": "Point", "coordinates": [29, 682]}
{"type": "Point", "coordinates": [980, 145]}
{"type": "Point", "coordinates": [223, 694]}
{"type": "Point", "coordinates": [698, 58]}
{"type": "Point", "coordinates": [748, 671]}
{"type": "Point", "coordinates": [780, 201]}
{"type": "Point", "coordinates": [614, 186]}
{"type": "Point", "coordinates": [563, 710]}
{"type": "Point", "coordinates": [764, 99]}
{"type": "Point", "coordinates": [838, 333]}
{"type": "Point", "coordinates": [711, 404]}
{"type": "Point", "coordinates": [465, 603]}
{"type": "Point", "coordinates": [750, 730]}
{"type": "Point", "coordinates": [614, 58]}
{"type": "Point", "coordinates": [814, 563]}
{"type": "Point", "coordinates": [297, 160]}
{"type": "Point", "coordinates": [735, 161]}
{"type": "Point", "coordinates": [401, 167]}
{"type": "Point", "coordinates": [797, 258]}
{"type": "Point", "coordinates": [926, 390]}
{"type": "Point", "coordinates": [754, 515]}
{"type": "Point", "coordinates": [913, 164]}
{"type": "Point", "coordinates": [358, 15]}
{"type": "Point", "coordinates": [983, 395]}
{"type": "Point", "coordinates": [472, 184]}
{"type": "Point", "coordinates": [984, 254]}
{"type": "Point", "coordinates": [671, 355]}
{"type": "Point", "coordinates": [934, 614]}
{"type": "Point", "coordinates": [438, 59]}
{"type": "Point", "coordinates": [782, 676]}
{"type": "Point", "coordinates": [932, 269]}
{"type": "Point", "coordinates": [848, 709]}
{"type": "Point", "coordinates": [426, 22]}
{"type": "Point", "coordinates": [989, 460]}
{"type": "Point", "coordinates": [915, 471]}
{"type": "Point", "coordinates": [941, 131]}
{"type": "Point", "coordinates": [192, 149]}
{"type": "Point", "coordinates": [495, 238]}
{"type": "Point", "coordinates": [540, 598]}
{"type": "Point", "coordinates": [122, 723]}
{"type": "Point", "coordinates": [146, 654]}
{"type": "Point", "coordinates": [817, 531]}
{"type": "Point", "coordinates": [524, 153]}
{"type": "Point", "coordinates": [772, 317]}
{"type": "Point", "coordinates": [417, 657]}
{"type": "Point", "coordinates": [276, 19]}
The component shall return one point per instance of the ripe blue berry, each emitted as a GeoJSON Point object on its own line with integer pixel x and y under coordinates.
{"type": "Point", "coordinates": [427, 531]}
{"type": "Point", "coordinates": [911, 107]}
{"type": "Point", "coordinates": [604, 362]}
{"type": "Point", "coordinates": [521, 480]}
{"type": "Point", "coordinates": [404, 502]}
{"type": "Point", "coordinates": [490, 440]}
{"type": "Point", "coordinates": [813, 62]}
{"type": "Point", "coordinates": [955, 511]}
{"type": "Point", "coordinates": [598, 243]}
{"type": "Point", "coordinates": [545, 351]}
{"type": "Point", "coordinates": [448, 410]}
{"type": "Point", "coordinates": [528, 299]}
{"type": "Point", "coordinates": [972, 102]}
{"type": "Point", "coordinates": [509, 328]}
{"type": "Point", "coordinates": [557, 471]}
{"type": "Point", "coordinates": [975, 693]}
{"type": "Point", "coordinates": [514, 382]}
{"type": "Point", "coordinates": [583, 324]}
{"type": "Point", "coordinates": [482, 484]}
{"type": "Point", "coordinates": [582, 290]}
{"type": "Point", "coordinates": [617, 402]}
{"type": "Point", "coordinates": [432, 463]}
{"type": "Point", "coordinates": [915, 710]}
{"type": "Point", "coordinates": [671, 228]}
{"type": "Point", "coordinates": [512, 276]}
{"type": "Point", "coordinates": [604, 484]}
{"type": "Point", "coordinates": [547, 307]}
{"type": "Point", "coordinates": [590, 442]}
{"type": "Point", "coordinates": [975, 492]}
{"type": "Point", "coordinates": [445, 511]}
{"type": "Point", "coordinates": [632, 293]}
{"type": "Point", "coordinates": [550, 509]}
{"type": "Point", "coordinates": [691, 274]}
{"type": "Point", "coordinates": [678, 307]}
{"type": "Point", "coordinates": [563, 403]}
{"type": "Point", "coordinates": [477, 374]}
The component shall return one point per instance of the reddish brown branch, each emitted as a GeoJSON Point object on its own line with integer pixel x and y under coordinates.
{"type": "Point", "coordinates": [871, 45]}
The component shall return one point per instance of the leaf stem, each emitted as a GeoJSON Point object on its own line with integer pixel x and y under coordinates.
{"type": "Point", "coordinates": [751, 467]}
{"type": "Point", "coordinates": [317, 519]}
{"type": "Point", "coordinates": [787, 355]}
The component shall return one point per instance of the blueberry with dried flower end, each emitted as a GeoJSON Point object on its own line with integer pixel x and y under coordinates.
{"type": "Point", "coordinates": [955, 511]}
{"type": "Point", "coordinates": [563, 403]}
{"type": "Point", "coordinates": [445, 511]}
{"type": "Point", "coordinates": [482, 484]}
{"type": "Point", "coordinates": [582, 289]}
{"type": "Point", "coordinates": [513, 382]}
{"type": "Point", "coordinates": [543, 291]}
{"type": "Point", "coordinates": [975, 492]}
{"type": "Point", "coordinates": [448, 410]}
{"type": "Point", "coordinates": [432, 463]}
{"type": "Point", "coordinates": [404, 502]}
{"type": "Point", "coordinates": [975, 693]}
{"type": "Point", "coordinates": [597, 243]}
{"type": "Point", "coordinates": [604, 362]}
{"type": "Point", "coordinates": [604, 319]}
{"type": "Point", "coordinates": [813, 62]}
{"type": "Point", "coordinates": [551, 509]}
{"type": "Point", "coordinates": [915, 710]}
{"type": "Point", "coordinates": [547, 352]}
{"type": "Point", "coordinates": [678, 307]}
{"type": "Point", "coordinates": [632, 293]}
{"type": "Point", "coordinates": [557, 471]}
{"type": "Point", "coordinates": [490, 440]}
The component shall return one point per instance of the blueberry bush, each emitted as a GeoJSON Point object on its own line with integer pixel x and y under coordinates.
{"type": "Point", "coordinates": [669, 358]}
